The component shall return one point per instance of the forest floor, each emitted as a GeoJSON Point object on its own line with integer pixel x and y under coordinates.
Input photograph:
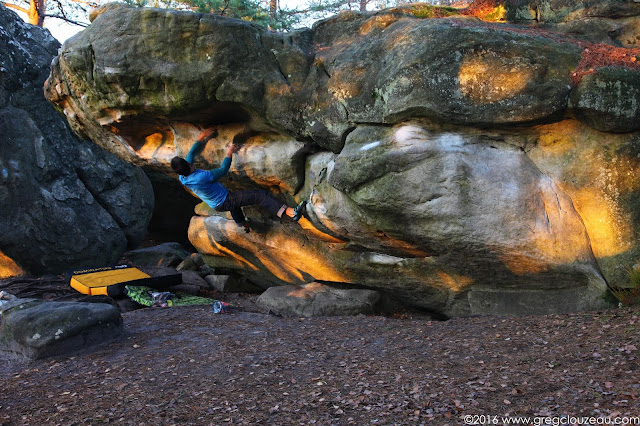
{"type": "Point", "coordinates": [187, 365]}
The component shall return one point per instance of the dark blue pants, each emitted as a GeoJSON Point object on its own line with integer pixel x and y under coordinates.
{"type": "Point", "coordinates": [238, 199]}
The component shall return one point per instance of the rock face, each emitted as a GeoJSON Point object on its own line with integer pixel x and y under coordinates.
{"type": "Point", "coordinates": [609, 99]}
{"type": "Point", "coordinates": [315, 299]}
{"type": "Point", "coordinates": [36, 329]}
{"type": "Point", "coordinates": [457, 165]}
{"type": "Point", "coordinates": [166, 254]}
{"type": "Point", "coordinates": [600, 21]}
{"type": "Point", "coordinates": [65, 202]}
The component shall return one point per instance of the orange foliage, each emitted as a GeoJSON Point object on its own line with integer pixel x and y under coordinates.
{"type": "Point", "coordinates": [480, 8]}
{"type": "Point", "coordinates": [595, 56]}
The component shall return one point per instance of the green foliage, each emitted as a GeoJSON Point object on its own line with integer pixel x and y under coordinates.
{"type": "Point", "coordinates": [168, 4]}
{"type": "Point", "coordinates": [247, 10]}
{"type": "Point", "coordinates": [427, 11]}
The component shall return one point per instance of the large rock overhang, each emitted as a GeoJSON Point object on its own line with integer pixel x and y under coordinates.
{"type": "Point", "coordinates": [441, 158]}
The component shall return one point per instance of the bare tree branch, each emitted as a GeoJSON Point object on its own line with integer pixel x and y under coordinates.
{"type": "Point", "coordinates": [226, 5]}
{"type": "Point", "coordinates": [16, 7]}
{"type": "Point", "coordinates": [86, 2]}
{"type": "Point", "coordinates": [64, 18]}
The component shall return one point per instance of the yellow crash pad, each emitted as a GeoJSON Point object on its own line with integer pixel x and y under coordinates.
{"type": "Point", "coordinates": [97, 281]}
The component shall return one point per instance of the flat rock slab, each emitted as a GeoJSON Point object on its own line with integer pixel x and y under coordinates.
{"type": "Point", "coordinates": [315, 300]}
{"type": "Point", "coordinates": [231, 284]}
{"type": "Point", "coordinates": [37, 329]}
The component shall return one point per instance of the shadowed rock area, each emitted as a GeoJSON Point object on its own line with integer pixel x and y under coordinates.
{"type": "Point", "coordinates": [459, 166]}
{"type": "Point", "coordinates": [66, 203]}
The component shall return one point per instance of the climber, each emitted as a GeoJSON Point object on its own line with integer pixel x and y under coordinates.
{"type": "Point", "coordinates": [205, 185]}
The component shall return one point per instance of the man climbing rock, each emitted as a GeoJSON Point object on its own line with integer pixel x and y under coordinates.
{"type": "Point", "coordinates": [204, 183]}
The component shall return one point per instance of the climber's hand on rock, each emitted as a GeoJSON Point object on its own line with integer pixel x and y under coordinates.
{"type": "Point", "coordinates": [231, 149]}
{"type": "Point", "coordinates": [207, 134]}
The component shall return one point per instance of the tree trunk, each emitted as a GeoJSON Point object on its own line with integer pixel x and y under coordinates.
{"type": "Point", "coordinates": [273, 8]}
{"type": "Point", "coordinates": [36, 12]}
{"type": "Point", "coordinates": [363, 5]}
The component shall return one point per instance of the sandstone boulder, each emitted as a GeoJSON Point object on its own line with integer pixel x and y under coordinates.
{"type": "Point", "coordinates": [609, 99]}
{"type": "Point", "coordinates": [315, 299]}
{"type": "Point", "coordinates": [553, 11]}
{"type": "Point", "coordinates": [441, 159]}
{"type": "Point", "coordinates": [443, 219]}
{"type": "Point", "coordinates": [232, 284]}
{"type": "Point", "coordinates": [598, 21]}
{"type": "Point", "coordinates": [65, 202]}
{"type": "Point", "coordinates": [601, 174]}
{"type": "Point", "coordinates": [36, 329]}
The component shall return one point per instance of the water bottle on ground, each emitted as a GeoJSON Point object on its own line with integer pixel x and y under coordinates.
{"type": "Point", "coordinates": [219, 307]}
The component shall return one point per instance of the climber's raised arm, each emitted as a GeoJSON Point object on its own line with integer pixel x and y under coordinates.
{"type": "Point", "coordinates": [199, 144]}
{"type": "Point", "coordinates": [226, 163]}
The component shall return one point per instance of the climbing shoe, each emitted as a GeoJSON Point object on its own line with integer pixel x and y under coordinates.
{"type": "Point", "coordinates": [246, 226]}
{"type": "Point", "coordinates": [297, 212]}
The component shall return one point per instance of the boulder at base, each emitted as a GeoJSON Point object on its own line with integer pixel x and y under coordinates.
{"type": "Point", "coordinates": [315, 300]}
{"type": "Point", "coordinates": [232, 284]}
{"type": "Point", "coordinates": [36, 329]}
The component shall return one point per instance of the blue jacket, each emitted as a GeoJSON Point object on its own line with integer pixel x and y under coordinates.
{"type": "Point", "coordinates": [204, 183]}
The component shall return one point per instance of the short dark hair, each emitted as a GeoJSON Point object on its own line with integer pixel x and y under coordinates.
{"type": "Point", "coordinates": [180, 166]}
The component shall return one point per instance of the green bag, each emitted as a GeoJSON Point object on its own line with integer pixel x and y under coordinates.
{"type": "Point", "coordinates": [142, 295]}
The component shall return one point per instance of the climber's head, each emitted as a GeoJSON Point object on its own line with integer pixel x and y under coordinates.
{"type": "Point", "coordinates": [181, 166]}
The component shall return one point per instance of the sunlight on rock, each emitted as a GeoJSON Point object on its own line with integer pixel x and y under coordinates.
{"type": "Point", "coordinates": [111, 116]}
{"type": "Point", "coordinates": [308, 290]}
{"type": "Point", "coordinates": [206, 244]}
{"type": "Point", "coordinates": [598, 174]}
{"type": "Point", "coordinates": [288, 257]}
{"type": "Point", "coordinates": [491, 78]}
{"type": "Point", "coordinates": [309, 227]}
{"type": "Point", "coordinates": [409, 135]}
{"type": "Point", "coordinates": [558, 233]}
{"type": "Point", "coordinates": [523, 265]}
{"type": "Point", "coordinates": [346, 83]}
{"type": "Point", "coordinates": [453, 281]}
{"type": "Point", "coordinates": [558, 138]}
{"type": "Point", "coordinates": [377, 23]}
{"type": "Point", "coordinates": [157, 146]}
{"type": "Point", "coordinates": [609, 229]}
{"type": "Point", "coordinates": [8, 268]}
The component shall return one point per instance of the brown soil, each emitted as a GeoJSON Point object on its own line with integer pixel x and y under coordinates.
{"type": "Point", "coordinates": [189, 366]}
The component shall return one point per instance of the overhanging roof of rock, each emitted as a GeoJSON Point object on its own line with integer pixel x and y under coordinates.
{"type": "Point", "coordinates": [150, 65]}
